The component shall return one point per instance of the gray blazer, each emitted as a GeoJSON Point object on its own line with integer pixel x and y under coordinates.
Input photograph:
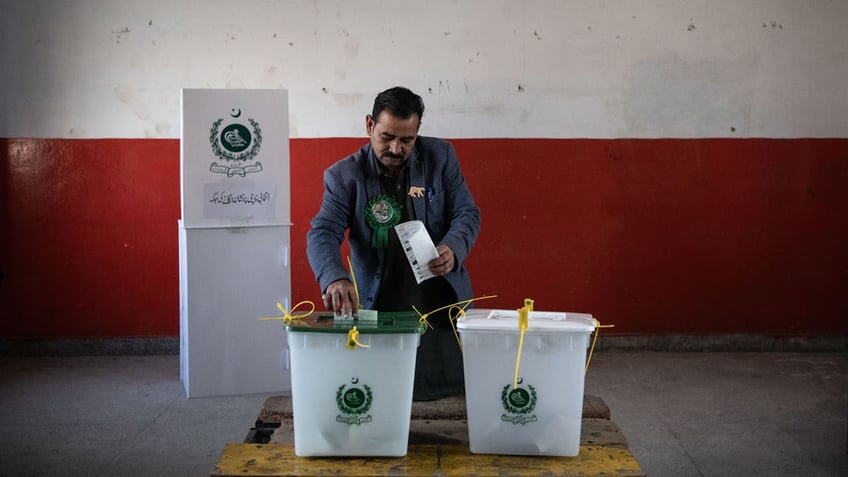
{"type": "Point", "coordinates": [447, 210]}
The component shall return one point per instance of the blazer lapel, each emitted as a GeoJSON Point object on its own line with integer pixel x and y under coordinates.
{"type": "Point", "coordinates": [417, 176]}
{"type": "Point", "coordinates": [372, 181]}
{"type": "Point", "coordinates": [372, 189]}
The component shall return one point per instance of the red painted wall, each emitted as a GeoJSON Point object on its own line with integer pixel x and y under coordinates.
{"type": "Point", "coordinates": [657, 236]}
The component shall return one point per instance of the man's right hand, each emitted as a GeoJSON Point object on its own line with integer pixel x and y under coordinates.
{"type": "Point", "coordinates": [340, 296]}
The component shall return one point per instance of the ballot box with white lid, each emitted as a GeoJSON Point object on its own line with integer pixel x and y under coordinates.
{"type": "Point", "coordinates": [540, 411]}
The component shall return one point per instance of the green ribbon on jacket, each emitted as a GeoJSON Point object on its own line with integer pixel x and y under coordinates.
{"type": "Point", "coordinates": [382, 213]}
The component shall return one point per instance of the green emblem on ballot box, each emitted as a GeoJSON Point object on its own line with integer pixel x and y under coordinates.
{"type": "Point", "coordinates": [235, 144]}
{"type": "Point", "coordinates": [518, 402]}
{"type": "Point", "coordinates": [353, 402]}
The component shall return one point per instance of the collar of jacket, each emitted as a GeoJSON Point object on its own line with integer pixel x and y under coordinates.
{"type": "Point", "coordinates": [416, 178]}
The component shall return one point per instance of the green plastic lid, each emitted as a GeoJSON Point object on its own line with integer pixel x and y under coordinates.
{"type": "Point", "coordinates": [388, 322]}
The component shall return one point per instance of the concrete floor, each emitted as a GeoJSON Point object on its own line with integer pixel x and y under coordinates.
{"type": "Point", "coordinates": [684, 414]}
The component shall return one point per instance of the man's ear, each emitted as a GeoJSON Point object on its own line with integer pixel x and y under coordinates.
{"type": "Point", "coordinates": [369, 124]}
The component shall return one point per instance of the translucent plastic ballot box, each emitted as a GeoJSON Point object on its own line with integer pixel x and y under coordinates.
{"type": "Point", "coordinates": [539, 411]}
{"type": "Point", "coordinates": [352, 384]}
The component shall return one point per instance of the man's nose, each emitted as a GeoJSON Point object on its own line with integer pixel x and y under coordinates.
{"type": "Point", "coordinates": [395, 147]}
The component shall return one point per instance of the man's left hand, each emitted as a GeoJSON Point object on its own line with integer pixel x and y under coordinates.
{"type": "Point", "coordinates": [444, 263]}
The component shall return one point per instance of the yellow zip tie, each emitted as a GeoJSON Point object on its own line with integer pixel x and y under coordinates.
{"type": "Point", "coordinates": [523, 317]}
{"type": "Point", "coordinates": [598, 326]}
{"type": "Point", "coordinates": [422, 319]}
{"type": "Point", "coordinates": [353, 339]}
{"type": "Point", "coordinates": [453, 318]}
{"type": "Point", "coordinates": [454, 312]}
{"type": "Point", "coordinates": [287, 316]}
{"type": "Point", "coordinates": [460, 306]}
{"type": "Point", "coordinates": [353, 279]}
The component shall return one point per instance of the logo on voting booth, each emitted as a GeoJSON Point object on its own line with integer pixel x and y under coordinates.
{"type": "Point", "coordinates": [236, 145]}
{"type": "Point", "coordinates": [518, 402]}
{"type": "Point", "coordinates": [353, 402]}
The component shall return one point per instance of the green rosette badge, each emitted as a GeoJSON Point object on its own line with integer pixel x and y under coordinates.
{"type": "Point", "coordinates": [382, 213]}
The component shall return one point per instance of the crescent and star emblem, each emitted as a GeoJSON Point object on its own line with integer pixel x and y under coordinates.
{"type": "Point", "coordinates": [235, 112]}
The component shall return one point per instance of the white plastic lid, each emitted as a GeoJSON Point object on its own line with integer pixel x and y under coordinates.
{"type": "Point", "coordinates": [541, 321]}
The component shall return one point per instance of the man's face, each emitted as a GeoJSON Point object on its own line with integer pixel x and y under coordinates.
{"type": "Point", "coordinates": [392, 138]}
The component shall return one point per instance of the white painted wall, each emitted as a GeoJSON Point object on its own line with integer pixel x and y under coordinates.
{"type": "Point", "coordinates": [558, 69]}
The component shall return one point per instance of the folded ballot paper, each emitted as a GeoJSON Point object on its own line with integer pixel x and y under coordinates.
{"type": "Point", "coordinates": [418, 246]}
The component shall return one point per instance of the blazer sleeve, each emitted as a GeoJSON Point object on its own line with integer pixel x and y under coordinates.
{"type": "Point", "coordinates": [327, 231]}
{"type": "Point", "coordinates": [462, 214]}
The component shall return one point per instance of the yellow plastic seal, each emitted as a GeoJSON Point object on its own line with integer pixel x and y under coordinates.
{"type": "Point", "coordinates": [353, 339]}
{"type": "Point", "coordinates": [455, 310]}
{"type": "Point", "coordinates": [598, 327]}
{"type": "Point", "coordinates": [288, 316]}
{"type": "Point", "coordinates": [355, 286]}
{"type": "Point", "coordinates": [523, 318]}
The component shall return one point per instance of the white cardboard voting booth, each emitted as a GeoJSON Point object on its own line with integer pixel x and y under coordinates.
{"type": "Point", "coordinates": [234, 241]}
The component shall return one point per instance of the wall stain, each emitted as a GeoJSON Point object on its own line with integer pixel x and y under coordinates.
{"type": "Point", "coordinates": [520, 88]}
{"type": "Point", "coordinates": [124, 93]}
{"type": "Point", "coordinates": [160, 129]}
{"type": "Point", "coordinates": [691, 25]}
{"type": "Point", "coordinates": [119, 35]}
{"type": "Point", "coordinates": [347, 99]}
{"type": "Point", "coordinates": [774, 25]}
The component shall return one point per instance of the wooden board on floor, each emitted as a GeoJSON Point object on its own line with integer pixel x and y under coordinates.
{"type": "Point", "coordinates": [266, 460]}
{"type": "Point", "coordinates": [593, 432]}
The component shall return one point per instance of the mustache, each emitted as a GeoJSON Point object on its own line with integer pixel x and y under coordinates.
{"type": "Point", "coordinates": [392, 155]}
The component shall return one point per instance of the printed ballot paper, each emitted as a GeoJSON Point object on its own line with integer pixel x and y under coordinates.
{"type": "Point", "coordinates": [418, 246]}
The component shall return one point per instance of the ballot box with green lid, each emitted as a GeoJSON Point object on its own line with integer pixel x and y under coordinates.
{"type": "Point", "coordinates": [352, 384]}
{"type": "Point", "coordinates": [527, 403]}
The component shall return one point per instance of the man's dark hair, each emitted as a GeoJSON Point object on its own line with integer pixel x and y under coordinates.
{"type": "Point", "coordinates": [399, 101]}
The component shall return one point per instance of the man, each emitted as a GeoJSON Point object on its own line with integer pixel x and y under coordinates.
{"type": "Point", "coordinates": [398, 177]}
